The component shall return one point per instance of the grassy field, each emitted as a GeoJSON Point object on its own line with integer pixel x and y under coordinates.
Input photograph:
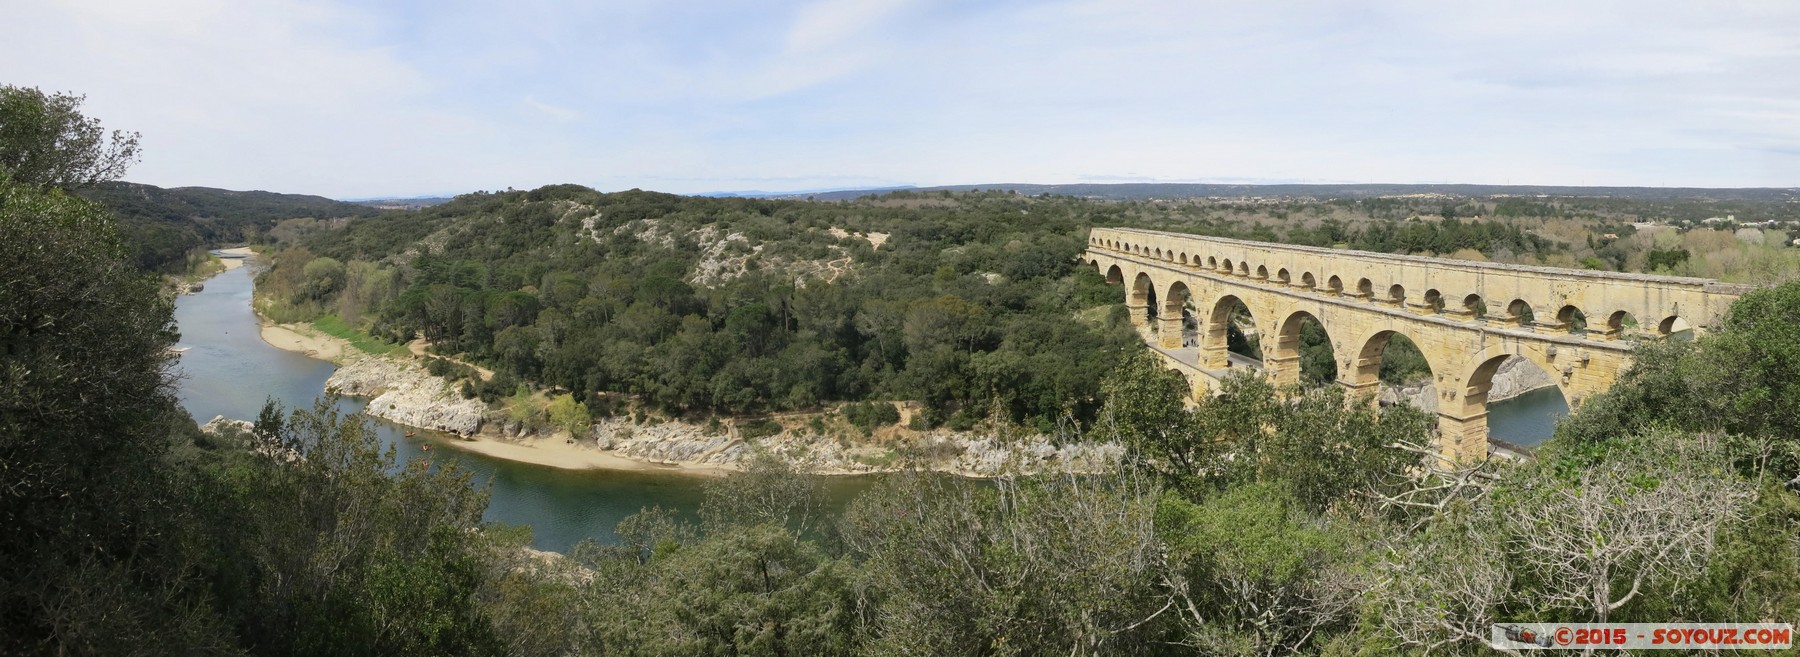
{"type": "Point", "coordinates": [334, 326]}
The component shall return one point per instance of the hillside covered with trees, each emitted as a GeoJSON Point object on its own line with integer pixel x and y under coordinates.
{"type": "Point", "coordinates": [169, 229]}
{"type": "Point", "coordinates": [734, 306]}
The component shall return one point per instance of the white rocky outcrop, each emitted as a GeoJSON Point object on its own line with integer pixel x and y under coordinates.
{"type": "Point", "coordinates": [970, 454]}
{"type": "Point", "coordinates": [220, 423]}
{"type": "Point", "coordinates": [1514, 377]}
{"type": "Point", "coordinates": [405, 393]}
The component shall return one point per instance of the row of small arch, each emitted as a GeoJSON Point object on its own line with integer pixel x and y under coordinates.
{"type": "Point", "coordinates": [1472, 306]}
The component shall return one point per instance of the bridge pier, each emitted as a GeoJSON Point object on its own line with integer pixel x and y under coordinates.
{"type": "Point", "coordinates": [1463, 439]}
{"type": "Point", "coordinates": [1215, 357]}
{"type": "Point", "coordinates": [1365, 390]}
{"type": "Point", "coordinates": [1168, 332]}
{"type": "Point", "coordinates": [1140, 312]}
{"type": "Point", "coordinates": [1283, 371]}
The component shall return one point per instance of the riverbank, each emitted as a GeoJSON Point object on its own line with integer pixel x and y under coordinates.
{"type": "Point", "coordinates": [400, 390]}
{"type": "Point", "coordinates": [229, 370]}
{"type": "Point", "coordinates": [195, 280]}
{"type": "Point", "coordinates": [555, 453]}
{"type": "Point", "coordinates": [241, 254]}
{"type": "Point", "coordinates": [303, 339]}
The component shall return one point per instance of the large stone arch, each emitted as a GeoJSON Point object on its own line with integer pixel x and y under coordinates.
{"type": "Point", "coordinates": [1571, 318]}
{"type": "Point", "coordinates": [1114, 275]}
{"type": "Point", "coordinates": [1363, 375]}
{"type": "Point", "coordinates": [1172, 316]}
{"type": "Point", "coordinates": [1282, 355]}
{"type": "Point", "coordinates": [1463, 412]}
{"type": "Point", "coordinates": [1620, 325]}
{"type": "Point", "coordinates": [1431, 304]}
{"type": "Point", "coordinates": [1139, 299]}
{"type": "Point", "coordinates": [1675, 327]}
{"type": "Point", "coordinates": [1215, 336]}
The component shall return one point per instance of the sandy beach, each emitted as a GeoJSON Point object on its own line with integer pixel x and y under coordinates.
{"type": "Point", "coordinates": [556, 453]}
{"type": "Point", "coordinates": [234, 263]}
{"type": "Point", "coordinates": [303, 339]}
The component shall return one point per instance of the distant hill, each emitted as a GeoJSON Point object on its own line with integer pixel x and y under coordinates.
{"type": "Point", "coordinates": [1143, 191]}
{"type": "Point", "coordinates": [162, 226]}
{"type": "Point", "coordinates": [804, 193]}
{"type": "Point", "coordinates": [408, 203]}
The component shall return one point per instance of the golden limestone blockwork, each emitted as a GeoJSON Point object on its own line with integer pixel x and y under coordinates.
{"type": "Point", "coordinates": [1466, 317]}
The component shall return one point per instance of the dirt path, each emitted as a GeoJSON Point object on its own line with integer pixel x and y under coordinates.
{"type": "Point", "coordinates": [418, 346]}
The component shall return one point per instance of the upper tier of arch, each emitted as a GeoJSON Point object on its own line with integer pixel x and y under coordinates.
{"type": "Point", "coordinates": [1609, 302]}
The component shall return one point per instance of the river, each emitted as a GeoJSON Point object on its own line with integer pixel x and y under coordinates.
{"type": "Point", "coordinates": [228, 370]}
{"type": "Point", "coordinates": [1527, 420]}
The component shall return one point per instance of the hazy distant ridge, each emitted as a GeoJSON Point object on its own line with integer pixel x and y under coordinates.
{"type": "Point", "coordinates": [1140, 191]}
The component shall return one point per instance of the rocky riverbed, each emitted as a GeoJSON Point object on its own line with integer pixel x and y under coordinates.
{"type": "Point", "coordinates": [972, 454]}
{"type": "Point", "coordinates": [404, 392]}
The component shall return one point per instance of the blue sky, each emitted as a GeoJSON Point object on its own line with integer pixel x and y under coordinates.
{"type": "Point", "coordinates": [406, 98]}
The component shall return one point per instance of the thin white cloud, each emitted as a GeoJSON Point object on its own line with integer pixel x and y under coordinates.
{"type": "Point", "coordinates": [553, 111]}
{"type": "Point", "coordinates": [827, 23]}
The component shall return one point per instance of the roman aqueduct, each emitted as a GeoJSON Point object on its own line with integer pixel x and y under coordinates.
{"type": "Point", "coordinates": [1465, 317]}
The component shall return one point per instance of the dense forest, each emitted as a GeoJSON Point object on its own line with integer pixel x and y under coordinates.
{"type": "Point", "coordinates": [732, 305]}
{"type": "Point", "coordinates": [167, 230]}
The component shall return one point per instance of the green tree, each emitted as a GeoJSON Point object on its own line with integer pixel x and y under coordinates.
{"type": "Point", "coordinates": [1742, 380]}
{"type": "Point", "coordinates": [769, 490]}
{"type": "Point", "coordinates": [91, 555]}
{"type": "Point", "coordinates": [1261, 574]}
{"type": "Point", "coordinates": [46, 141]}
{"type": "Point", "coordinates": [323, 277]}
{"type": "Point", "coordinates": [1038, 566]}
{"type": "Point", "coordinates": [323, 543]}
{"type": "Point", "coordinates": [570, 415]}
{"type": "Point", "coordinates": [522, 407]}
{"type": "Point", "coordinates": [1144, 411]}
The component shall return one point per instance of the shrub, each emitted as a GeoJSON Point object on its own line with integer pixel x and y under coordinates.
{"type": "Point", "coordinates": [870, 416]}
{"type": "Point", "coordinates": [759, 429]}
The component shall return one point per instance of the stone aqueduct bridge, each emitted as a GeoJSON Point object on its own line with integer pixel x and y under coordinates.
{"type": "Point", "coordinates": [1363, 299]}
